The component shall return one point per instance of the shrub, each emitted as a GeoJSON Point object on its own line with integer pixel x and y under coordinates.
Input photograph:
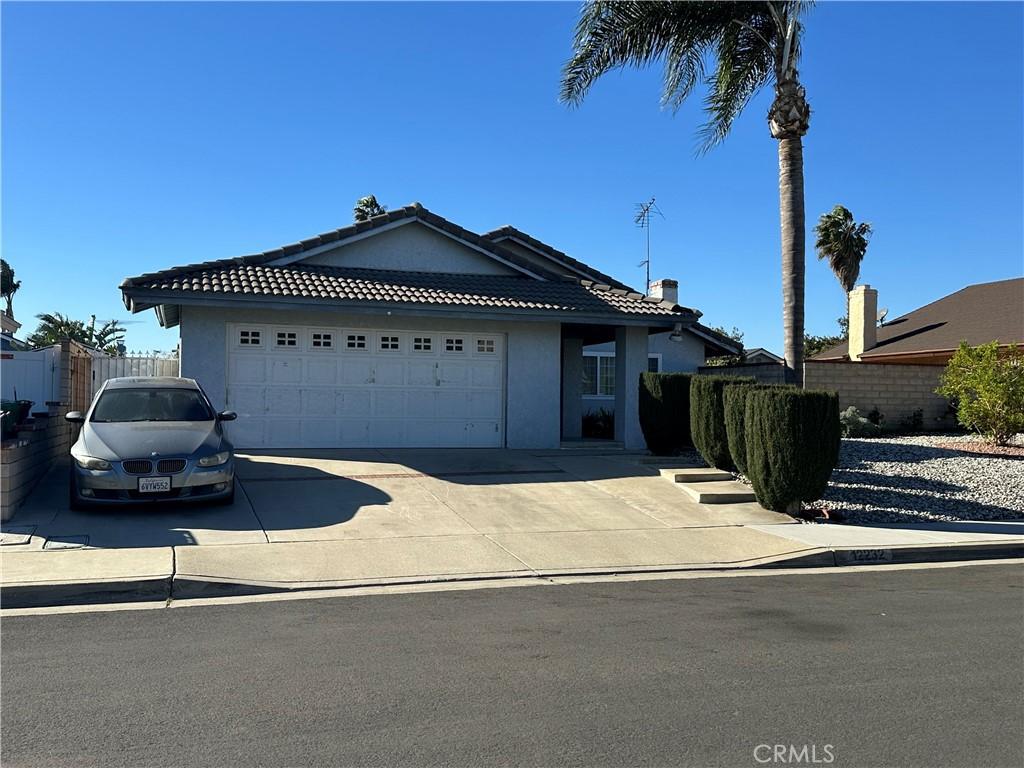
{"type": "Point", "coordinates": [852, 424]}
{"type": "Point", "coordinates": [914, 422]}
{"type": "Point", "coordinates": [988, 389]}
{"type": "Point", "coordinates": [599, 424]}
{"type": "Point", "coordinates": [707, 417]}
{"type": "Point", "coordinates": [665, 411]}
{"type": "Point", "coordinates": [734, 404]}
{"type": "Point", "coordinates": [792, 445]}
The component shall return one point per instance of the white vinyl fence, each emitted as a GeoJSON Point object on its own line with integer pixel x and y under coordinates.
{"type": "Point", "coordinates": [31, 376]}
{"type": "Point", "coordinates": [104, 368]}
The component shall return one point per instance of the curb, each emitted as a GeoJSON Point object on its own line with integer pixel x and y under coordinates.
{"type": "Point", "coordinates": [169, 588]}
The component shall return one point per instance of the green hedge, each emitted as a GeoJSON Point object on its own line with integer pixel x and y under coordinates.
{"type": "Point", "coordinates": [707, 417]}
{"type": "Point", "coordinates": [792, 445]}
{"type": "Point", "coordinates": [734, 403]}
{"type": "Point", "coordinates": [665, 411]}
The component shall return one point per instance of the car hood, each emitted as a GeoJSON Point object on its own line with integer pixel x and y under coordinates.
{"type": "Point", "coordinates": [137, 440]}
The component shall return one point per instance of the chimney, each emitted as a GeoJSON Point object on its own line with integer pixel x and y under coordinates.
{"type": "Point", "coordinates": [863, 320]}
{"type": "Point", "coordinates": [666, 290]}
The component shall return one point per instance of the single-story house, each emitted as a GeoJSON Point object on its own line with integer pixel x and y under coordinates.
{"type": "Point", "coordinates": [409, 330]}
{"type": "Point", "coordinates": [761, 356]}
{"type": "Point", "coordinates": [929, 335]}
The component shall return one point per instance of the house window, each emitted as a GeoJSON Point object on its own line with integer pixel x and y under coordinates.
{"type": "Point", "coordinates": [322, 340]}
{"type": "Point", "coordinates": [452, 345]}
{"type": "Point", "coordinates": [422, 344]}
{"type": "Point", "coordinates": [287, 339]}
{"type": "Point", "coordinates": [654, 363]}
{"type": "Point", "coordinates": [388, 343]}
{"type": "Point", "coordinates": [355, 341]}
{"type": "Point", "coordinates": [250, 338]}
{"type": "Point", "coordinates": [485, 346]}
{"type": "Point", "coordinates": [599, 375]}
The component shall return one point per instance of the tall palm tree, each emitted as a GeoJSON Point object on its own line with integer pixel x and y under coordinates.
{"type": "Point", "coordinates": [749, 44]}
{"type": "Point", "coordinates": [843, 242]}
{"type": "Point", "coordinates": [367, 207]}
{"type": "Point", "coordinates": [8, 285]}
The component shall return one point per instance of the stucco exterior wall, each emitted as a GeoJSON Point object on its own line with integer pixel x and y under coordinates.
{"type": "Point", "coordinates": [411, 247]}
{"type": "Point", "coordinates": [896, 390]}
{"type": "Point", "coordinates": [533, 362]}
{"type": "Point", "coordinates": [676, 357]}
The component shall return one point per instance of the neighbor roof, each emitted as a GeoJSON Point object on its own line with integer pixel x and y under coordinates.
{"type": "Point", "coordinates": [279, 275]}
{"type": "Point", "coordinates": [976, 314]}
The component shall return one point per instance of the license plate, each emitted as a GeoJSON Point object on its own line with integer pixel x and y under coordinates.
{"type": "Point", "coordinates": [154, 484]}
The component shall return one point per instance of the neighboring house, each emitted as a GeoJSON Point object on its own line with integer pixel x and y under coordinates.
{"type": "Point", "coordinates": [931, 334]}
{"type": "Point", "coordinates": [409, 330]}
{"type": "Point", "coordinates": [761, 356]}
{"type": "Point", "coordinates": [895, 366]}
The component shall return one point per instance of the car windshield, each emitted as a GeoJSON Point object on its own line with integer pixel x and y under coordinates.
{"type": "Point", "coordinates": [151, 405]}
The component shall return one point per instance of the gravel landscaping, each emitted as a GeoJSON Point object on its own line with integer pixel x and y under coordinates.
{"type": "Point", "coordinates": [923, 478]}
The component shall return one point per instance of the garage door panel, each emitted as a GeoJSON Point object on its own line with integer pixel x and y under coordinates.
{"type": "Point", "coordinates": [389, 403]}
{"type": "Point", "coordinates": [354, 402]}
{"type": "Point", "coordinates": [248, 369]}
{"type": "Point", "coordinates": [322, 372]}
{"type": "Point", "coordinates": [356, 372]}
{"type": "Point", "coordinates": [436, 394]}
{"type": "Point", "coordinates": [389, 373]}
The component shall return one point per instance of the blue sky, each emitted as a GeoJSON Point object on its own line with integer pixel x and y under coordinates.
{"type": "Point", "coordinates": [141, 136]}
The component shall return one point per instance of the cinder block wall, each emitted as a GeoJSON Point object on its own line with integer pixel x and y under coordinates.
{"type": "Point", "coordinates": [895, 390]}
{"type": "Point", "coordinates": [24, 461]}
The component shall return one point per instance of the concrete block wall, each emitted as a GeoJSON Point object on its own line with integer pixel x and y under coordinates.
{"type": "Point", "coordinates": [26, 459]}
{"type": "Point", "coordinates": [895, 390]}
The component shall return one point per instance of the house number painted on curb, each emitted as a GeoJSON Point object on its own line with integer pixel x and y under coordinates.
{"type": "Point", "coordinates": [851, 556]}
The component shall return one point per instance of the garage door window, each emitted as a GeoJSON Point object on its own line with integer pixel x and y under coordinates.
{"type": "Point", "coordinates": [485, 346]}
{"type": "Point", "coordinates": [355, 341]}
{"type": "Point", "coordinates": [321, 340]}
{"type": "Point", "coordinates": [422, 344]}
{"type": "Point", "coordinates": [452, 344]}
{"type": "Point", "coordinates": [250, 338]}
{"type": "Point", "coordinates": [389, 344]}
{"type": "Point", "coordinates": [287, 339]}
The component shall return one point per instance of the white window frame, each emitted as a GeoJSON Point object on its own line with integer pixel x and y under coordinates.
{"type": "Point", "coordinates": [249, 345]}
{"type": "Point", "coordinates": [460, 338]}
{"type": "Point", "coordinates": [428, 341]}
{"type": "Point", "coordinates": [392, 338]}
{"type": "Point", "coordinates": [359, 338]}
{"type": "Point", "coordinates": [296, 332]}
{"type": "Point", "coordinates": [654, 356]}
{"type": "Point", "coordinates": [597, 376]}
{"type": "Point", "coordinates": [485, 341]}
{"type": "Point", "coordinates": [322, 331]}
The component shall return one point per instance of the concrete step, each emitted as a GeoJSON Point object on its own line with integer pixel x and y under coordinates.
{"type": "Point", "coordinates": [730, 492]}
{"type": "Point", "coordinates": [695, 475]}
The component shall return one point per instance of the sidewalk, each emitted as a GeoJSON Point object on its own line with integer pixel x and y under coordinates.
{"type": "Point", "coordinates": [387, 518]}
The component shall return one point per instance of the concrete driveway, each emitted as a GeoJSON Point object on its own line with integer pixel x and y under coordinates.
{"type": "Point", "coordinates": [321, 518]}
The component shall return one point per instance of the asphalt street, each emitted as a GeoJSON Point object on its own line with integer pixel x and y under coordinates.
{"type": "Point", "coordinates": [895, 668]}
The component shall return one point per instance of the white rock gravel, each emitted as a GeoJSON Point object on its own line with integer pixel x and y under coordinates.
{"type": "Point", "coordinates": [911, 479]}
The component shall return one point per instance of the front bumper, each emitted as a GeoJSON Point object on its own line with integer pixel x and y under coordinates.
{"type": "Point", "coordinates": [115, 486]}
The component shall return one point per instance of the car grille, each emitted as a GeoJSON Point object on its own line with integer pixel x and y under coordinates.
{"type": "Point", "coordinates": [137, 466]}
{"type": "Point", "coordinates": [170, 466]}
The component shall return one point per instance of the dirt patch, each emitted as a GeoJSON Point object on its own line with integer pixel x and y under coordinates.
{"type": "Point", "coordinates": [983, 448]}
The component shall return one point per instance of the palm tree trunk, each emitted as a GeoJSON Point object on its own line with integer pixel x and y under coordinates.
{"type": "Point", "coordinates": [791, 215]}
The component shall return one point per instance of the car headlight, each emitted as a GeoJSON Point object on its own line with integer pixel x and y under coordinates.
{"type": "Point", "coordinates": [88, 462]}
{"type": "Point", "coordinates": [215, 460]}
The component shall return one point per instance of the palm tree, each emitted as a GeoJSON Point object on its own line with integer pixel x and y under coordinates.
{"type": "Point", "coordinates": [367, 207]}
{"type": "Point", "coordinates": [53, 328]}
{"type": "Point", "coordinates": [8, 285]}
{"type": "Point", "coordinates": [749, 44]}
{"type": "Point", "coordinates": [843, 242]}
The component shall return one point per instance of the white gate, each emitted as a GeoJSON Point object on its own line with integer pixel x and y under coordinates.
{"type": "Point", "coordinates": [104, 368]}
{"type": "Point", "coordinates": [31, 376]}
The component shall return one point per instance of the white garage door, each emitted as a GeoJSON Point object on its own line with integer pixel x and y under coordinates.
{"type": "Point", "coordinates": [312, 387]}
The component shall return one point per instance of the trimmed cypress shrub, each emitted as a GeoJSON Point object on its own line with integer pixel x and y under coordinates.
{"type": "Point", "coordinates": [665, 411]}
{"type": "Point", "coordinates": [707, 417]}
{"type": "Point", "coordinates": [792, 445]}
{"type": "Point", "coordinates": [734, 404]}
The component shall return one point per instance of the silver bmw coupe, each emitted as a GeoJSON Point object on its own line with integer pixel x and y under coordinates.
{"type": "Point", "coordinates": [151, 439]}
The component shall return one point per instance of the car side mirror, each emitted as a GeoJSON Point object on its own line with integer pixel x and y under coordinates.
{"type": "Point", "coordinates": [75, 417]}
{"type": "Point", "coordinates": [227, 416]}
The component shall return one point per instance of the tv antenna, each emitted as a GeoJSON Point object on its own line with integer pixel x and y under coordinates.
{"type": "Point", "coordinates": [643, 220]}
